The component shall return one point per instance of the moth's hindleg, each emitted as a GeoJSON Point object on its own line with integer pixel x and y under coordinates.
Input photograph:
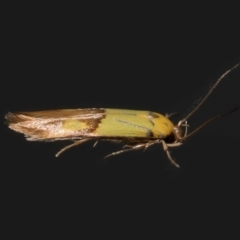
{"type": "Point", "coordinates": [78, 142]}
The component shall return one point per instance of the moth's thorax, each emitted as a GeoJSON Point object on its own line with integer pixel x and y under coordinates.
{"type": "Point", "coordinates": [162, 126]}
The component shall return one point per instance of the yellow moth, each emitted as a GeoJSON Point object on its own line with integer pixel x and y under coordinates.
{"type": "Point", "coordinates": [137, 129]}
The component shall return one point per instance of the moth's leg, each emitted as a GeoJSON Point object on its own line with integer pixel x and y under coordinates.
{"type": "Point", "coordinates": [95, 144]}
{"type": "Point", "coordinates": [72, 145]}
{"type": "Point", "coordinates": [177, 144]}
{"type": "Point", "coordinates": [150, 144]}
{"type": "Point", "coordinates": [130, 148]}
{"type": "Point", "coordinates": [171, 114]}
{"type": "Point", "coordinates": [165, 148]}
{"type": "Point", "coordinates": [186, 128]}
{"type": "Point", "coordinates": [145, 145]}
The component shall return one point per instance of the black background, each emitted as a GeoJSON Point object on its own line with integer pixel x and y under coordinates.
{"type": "Point", "coordinates": [59, 56]}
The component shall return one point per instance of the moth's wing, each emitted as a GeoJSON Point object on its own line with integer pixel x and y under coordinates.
{"type": "Point", "coordinates": [89, 123]}
{"type": "Point", "coordinates": [134, 124]}
{"type": "Point", "coordinates": [125, 123]}
{"type": "Point", "coordinates": [55, 114]}
{"type": "Point", "coordinates": [55, 124]}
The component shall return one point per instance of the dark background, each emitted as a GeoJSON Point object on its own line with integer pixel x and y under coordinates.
{"type": "Point", "coordinates": [57, 56]}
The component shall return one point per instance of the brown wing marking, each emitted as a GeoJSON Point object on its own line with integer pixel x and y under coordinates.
{"type": "Point", "coordinates": [49, 125]}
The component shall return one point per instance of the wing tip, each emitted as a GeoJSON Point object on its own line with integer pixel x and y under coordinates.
{"type": "Point", "coordinates": [12, 118]}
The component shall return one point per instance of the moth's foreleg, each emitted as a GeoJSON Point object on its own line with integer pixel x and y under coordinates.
{"type": "Point", "coordinates": [165, 148]}
{"type": "Point", "coordinates": [168, 115]}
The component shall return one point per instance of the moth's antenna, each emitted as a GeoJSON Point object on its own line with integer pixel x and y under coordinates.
{"type": "Point", "coordinates": [208, 93]}
{"type": "Point", "coordinates": [209, 121]}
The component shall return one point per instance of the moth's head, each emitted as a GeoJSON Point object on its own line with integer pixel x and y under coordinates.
{"type": "Point", "coordinates": [180, 131]}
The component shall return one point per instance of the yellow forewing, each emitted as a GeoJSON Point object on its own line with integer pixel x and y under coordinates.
{"type": "Point", "coordinates": [91, 122]}
{"type": "Point", "coordinates": [131, 123]}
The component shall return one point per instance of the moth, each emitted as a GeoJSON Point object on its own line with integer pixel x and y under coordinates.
{"type": "Point", "coordinates": [135, 128]}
